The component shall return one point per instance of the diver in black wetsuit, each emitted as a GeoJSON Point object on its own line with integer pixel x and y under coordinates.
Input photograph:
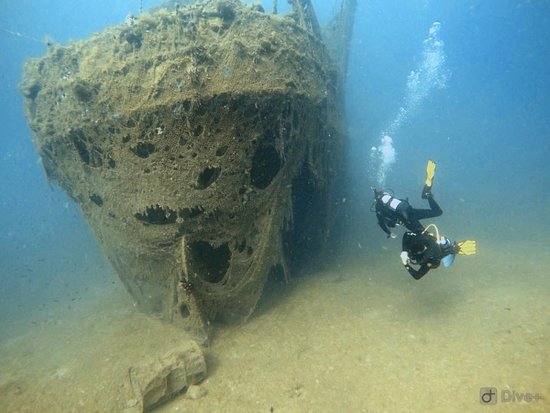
{"type": "Point", "coordinates": [419, 247]}
{"type": "Point", "coordinates": [428, 251]}
{"type": "Point", "coordinates": [391, 211]}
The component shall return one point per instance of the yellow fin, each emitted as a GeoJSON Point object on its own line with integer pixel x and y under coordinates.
{"type": "Point", "coordinates": [468, 247]}
{"type": "Point", "coordinates": [430, 172]}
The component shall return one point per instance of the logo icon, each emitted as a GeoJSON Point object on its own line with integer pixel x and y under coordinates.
{"type": "Point", "coordinates": [488, 395]}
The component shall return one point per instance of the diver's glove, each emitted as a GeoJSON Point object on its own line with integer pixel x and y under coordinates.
{"type": "Point", "coordinates": [392, 235]}
{"type": "Point", "coordinates": [404, 258]}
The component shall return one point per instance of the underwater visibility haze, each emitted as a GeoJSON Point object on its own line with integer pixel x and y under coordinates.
{"type": "Point", "coordinates": [462, 83]}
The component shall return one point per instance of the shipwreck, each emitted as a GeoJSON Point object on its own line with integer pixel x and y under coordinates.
{"type": "Point", "coordinates": [204, 144]}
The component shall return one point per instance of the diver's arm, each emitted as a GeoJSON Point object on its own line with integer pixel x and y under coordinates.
{"type": "Point", "coordinates": [416, 274]}
{"type": "Point", "coordinates": [382, 225]}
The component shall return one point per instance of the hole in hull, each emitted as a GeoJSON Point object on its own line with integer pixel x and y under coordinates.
{"type": "Point", "coordinates": [266, 164]}
{"type": "Point", "coordinates": [157, 215]}
{"type": "Point", "coordinates": [184, 311]}
{"type": "Point", "coordinates": [143, 149]}
{"type": "Point", "coordinates": [207, 262]}
{"type": "Point", "coordinates": [207, 177]}
{"type": "Point", "coordinates": [310, 217]}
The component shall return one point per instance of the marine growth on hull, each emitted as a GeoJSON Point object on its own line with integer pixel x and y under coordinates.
{"type": "Point", "coordinates": [202, 144]}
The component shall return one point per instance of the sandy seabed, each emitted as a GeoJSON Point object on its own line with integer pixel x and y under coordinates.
{"type": "Point", "coordinates": [359, 336]}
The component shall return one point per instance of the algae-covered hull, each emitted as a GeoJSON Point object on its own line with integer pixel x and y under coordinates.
{"type": "Point", "coordinates": [201, 144]}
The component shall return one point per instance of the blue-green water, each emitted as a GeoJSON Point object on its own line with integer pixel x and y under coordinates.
{"type": "Point", "coordinates": [364, 335]}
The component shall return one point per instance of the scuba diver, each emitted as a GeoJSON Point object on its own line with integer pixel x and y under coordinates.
{"type": "Point", "coordinates": [391, 211]}
{"type": "Point", "coordinates": [428, 251]}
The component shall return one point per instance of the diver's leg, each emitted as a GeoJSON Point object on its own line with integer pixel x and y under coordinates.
{"type": "Point", "coordinates": [434, 211]}
{"type": "Point", "coordinates": [409, 220]}
{"type": "Point", "coordinates": [434, 206]}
